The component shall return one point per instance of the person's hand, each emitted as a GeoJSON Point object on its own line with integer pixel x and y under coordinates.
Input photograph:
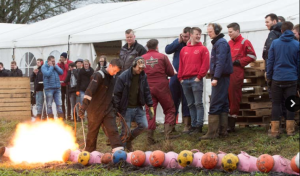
{"type": "Point", "coordinates": [50, 63]}
{"type": "Point", "coordinates": [81, 112]}
{"type": "Point", "coordinates": [78, 93]}
{"type": "Point", "coordinates": [181, 81]}
{"type": "Point", "coordinates": [214, 82]}
{"type": "Point", "coordinates": [151, 113]}
{"type": "Point", "coordinates": [180, 38]}
{"type": "Point", "coordinates": [1, 68]}
{"type": "Point", "coordinates": [197, 80]}
{"type": "Point", "coordinates": [35, 71]}
{"type": "Point", "coordinates": [237, 63]}
{"type": "Point", "coordinates": [269, 82]}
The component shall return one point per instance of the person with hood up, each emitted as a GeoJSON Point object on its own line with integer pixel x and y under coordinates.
{"type": "Point", "coordinates": [102, 63]}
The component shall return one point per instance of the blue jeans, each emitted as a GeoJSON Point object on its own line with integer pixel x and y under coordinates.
{"type": "Point", "coordinates": [219, 97]}
{"type": "Point", "coordinates": [39, 98]}
{"type": "Point", "coordinates": [139, 116]}
{"type": "Point", "coordinates": [193, 92]}
{"type": "Point", "coordinates": [53, 94]}
{"type": "Point", "coordinates": [81, 96]}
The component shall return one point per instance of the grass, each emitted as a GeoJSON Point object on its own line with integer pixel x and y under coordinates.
{"type": "Point", "coordinates": [253, 140]}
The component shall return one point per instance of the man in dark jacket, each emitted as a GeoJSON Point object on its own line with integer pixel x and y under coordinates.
{"type": "Point", "coordinates": [175, 86]}
{"type": "Point", "coordinates": [51, 81]}
{"type": "Point", "coordinates": [3, 71]}
{"type": "Point", "coordinates": [130, 50]}
{"type": "Point", "coordinates": [220, 67]}
{"type": "Point", "coordinates": [15, 71]}
{"type": "Point", "coordinates": [37, 78]}
{"type": "Point", "coordinates": [158, 68]}
{"type": "Point", "coordinates": [282, 75]}
{"type": "Point", "coordinates": [131, 93]}
{"type": "Point", "coordinates": [193, 67]}
{"type": "Point", "coordinates": [98, 103]}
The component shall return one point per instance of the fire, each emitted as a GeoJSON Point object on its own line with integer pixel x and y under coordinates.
{"type": "Point", "coordinates": [42, 142]}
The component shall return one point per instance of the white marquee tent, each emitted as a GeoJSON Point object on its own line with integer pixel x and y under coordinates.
{"type": "Point", "coordinates": [77, 31]}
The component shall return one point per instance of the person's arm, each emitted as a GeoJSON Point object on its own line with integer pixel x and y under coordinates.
{"type": "Point", "coordinates": [58, 70]}
{"type": "Point", "coordinates": [118, 92]}
{"type": "Point", "coordinates": [180, 70]}
{"type": "Point", "coordinates": [272, 36]}
{"type": "Point", "coordinates": [32, 77]}
{"type": "Point", "coordinates": [205, 64]}
{"type": "Point", "coordinates": [169, 68]}
{"type": "Point", "coordinates": [147, 93]}
{"type": "Point", "coordinates": [221, 55]}
{"type": "Point", "coordinates": [46, 72]}
{"type": "Point", "coordinates": [19, 73]}
{"type": "Point", "coordinates": [171, 48]}
{"type": "Point", "coordinates": [270, 63]}
{"type": "Point", "coordinates": [250, 54]}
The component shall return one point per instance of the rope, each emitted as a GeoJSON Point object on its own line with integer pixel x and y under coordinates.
{"type": "Point", "coordinates": [74, 117]}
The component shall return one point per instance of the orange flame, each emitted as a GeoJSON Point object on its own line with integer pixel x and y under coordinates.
{"type": "Point", "coordinates": [42, 142]}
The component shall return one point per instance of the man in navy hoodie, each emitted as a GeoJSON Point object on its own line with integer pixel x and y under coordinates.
{"type": "Point", "coordinates": [220, 67]}
{"type": "Point", "coordinates": [175, 86]}
{"type": "Point", "coordinates": [282, 74]}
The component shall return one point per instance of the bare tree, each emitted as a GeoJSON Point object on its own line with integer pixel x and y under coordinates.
{"type": "Point", "coordinates": [29, 11]}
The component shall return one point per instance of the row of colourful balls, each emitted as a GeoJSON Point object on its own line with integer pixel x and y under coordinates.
{"type": "Point", "coordinates": [210, 160]}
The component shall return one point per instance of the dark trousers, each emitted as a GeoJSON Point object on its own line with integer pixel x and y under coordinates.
{"type": "Point", "coordinates": [281, 90]}
{"type": "Point", "coordinates": [178, 96]}
{"type": "Point", "coordinates": [219, 97]}
{"type": "Point", "coordinates": [65, 101]}
{"type": "Point", "coordinates": [95, 120]}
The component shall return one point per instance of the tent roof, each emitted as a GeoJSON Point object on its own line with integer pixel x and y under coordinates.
{"type": "Point", "coordinates": [155, 18]}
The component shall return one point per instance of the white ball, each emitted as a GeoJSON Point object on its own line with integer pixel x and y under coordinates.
{"type": "Point", "coordinates": [297, 160]}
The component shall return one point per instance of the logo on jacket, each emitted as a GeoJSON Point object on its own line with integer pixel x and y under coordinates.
{"type": "Point", "coordinates": [196, 52]}
{"type": "Point", "coordinates": [152, 62]}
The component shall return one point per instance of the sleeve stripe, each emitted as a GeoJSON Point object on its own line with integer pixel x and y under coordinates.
{"type": "Point", "coordinates": [251, 56]}
{"type": "Point", "coordinates": [87, 97]}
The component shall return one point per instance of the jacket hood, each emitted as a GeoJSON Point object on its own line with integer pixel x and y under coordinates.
{"type": "Point", "coordinates": [197, 44]}
{"type": "Point", "coordinates": [277, 27]}
{"type": "Point", "coordinates": [287, 36]}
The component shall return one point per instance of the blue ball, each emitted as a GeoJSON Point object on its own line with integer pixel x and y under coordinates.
{"type": "Point", "coordinates": [119, 155]}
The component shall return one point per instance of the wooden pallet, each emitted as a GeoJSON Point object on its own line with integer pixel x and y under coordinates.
{"type": "Point", "coordinates": [255, 113]}
{"type": "Point", "coordinates": [253, 73]}
{"type": "Point", "coordinates": [255, 81]}
{"type": "Point", "coordinates": [261, 97]}
{"type": "Point", "coordinates": [246, 121]}
{"type": "Point", "coordinates": [259, 65]}
{"type": "Point", "coordinates": [255, 105]}
{"type": "Point", "coordinates": [253, 89]}
{"type": "Point", "coordinates": [15, 102]}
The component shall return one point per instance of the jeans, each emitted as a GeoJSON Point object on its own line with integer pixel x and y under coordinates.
{"type": "Point", "coordinates": [139, 116]}
{"type": "Point", "coordinates": [282, 90]}
{"type": "Point", "coordinates": [193, 92]}
{"type": "Point", "coordinates": [81, 97]}
{"type": "Point", "coordinates": [65, 101]}
{"type": "Point", "coordinates": [73, 101]}
{"type": "Point", "coordinates": [39, 98]}
{"type": "Point", "coordinates": [219, 97]}
{"type": "Point", "coordinates": [53, 94]}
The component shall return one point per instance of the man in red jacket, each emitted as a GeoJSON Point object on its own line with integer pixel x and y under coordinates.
{"type": "Point", "coordinates": [158, 69]}
{"type": "Point", "coordinates": [242, 53]}
{"type": "Point", "coordinates": [64, 65]}
{"type": "Point", "coordinates": [193, 66]}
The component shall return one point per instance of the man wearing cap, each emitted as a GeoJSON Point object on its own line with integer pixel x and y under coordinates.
{"type": "Point", "coordinates": [131, 93]}
{"type": "Point", "coordinates": [64, 65]}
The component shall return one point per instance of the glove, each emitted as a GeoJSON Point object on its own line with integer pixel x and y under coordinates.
{"type": "Point", "coordinates": [151, 112]}
{"type": "Point", "coordinates": [237, 63]}
{"type": "Point", "coordinates": [269, 82]}
{"type": "Point", "coordinates": [77, 93]}
{"type": "Point", "coordinates": [83, 107]}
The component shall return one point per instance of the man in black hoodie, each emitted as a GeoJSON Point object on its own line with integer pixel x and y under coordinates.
{"type": "Point", "coordinates": [3, 71]}
{"type": "Point", "coordinates": [15, 71]}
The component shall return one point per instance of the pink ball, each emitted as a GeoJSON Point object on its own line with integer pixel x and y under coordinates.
{"type": "Point", "coordinates": [220, 157]}
{"type": "Point", "coordinates": [197, 159]}
{"type": "Point", "coordinates": [147, 162]}
{"type": "Point", "coordinates": [95, 157]}
{"type": "Point", "coordinates": [128, 159]}
{"type": "Point", "coordinates": [247, 163]}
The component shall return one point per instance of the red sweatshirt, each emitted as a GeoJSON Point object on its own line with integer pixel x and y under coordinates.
{"type": "Point", "coordinates": [65, 68]}
{"type": "Point", "coordinates": [158, 66]}
{"type": "Point", "coordinates": [193, 61]}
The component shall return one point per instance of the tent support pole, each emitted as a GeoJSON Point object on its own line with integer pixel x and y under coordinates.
{"type": "Point", "coordinates": [68, 47]}
{"type": "Point", "coordinates": [13, 56]}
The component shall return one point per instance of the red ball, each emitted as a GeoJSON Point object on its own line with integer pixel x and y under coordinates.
{"type": "Point", "coordinates": [157, 158]}
{"type": "Point", "coordinates": [294, 166]}
{"type": "Point", "coordinates": [265, 163]}
{"type": "Point", "coordinates": [209, 160]}
{"type": "Point", "coordinates": [106, 158]}
{"type": "Point", "coordinates": [138, 158]}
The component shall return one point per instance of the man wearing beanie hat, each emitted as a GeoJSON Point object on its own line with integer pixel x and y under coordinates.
{"type": "Point", "coordinates": [64, 65]}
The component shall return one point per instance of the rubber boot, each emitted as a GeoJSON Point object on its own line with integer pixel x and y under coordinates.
{"type": "Point", "coordinates": [50, 116]}
{"type": "Point", "coordinates": [290, 127]}
{"type": "Point", "coordinates": [150, 137]}
{"type": "Point", "coordinates": [187, 124]}
{"type": "Point", "coordinates": [38, 117]}
{"type": "Point", "coordinates": [168, 131]}
{"type": "Point", "coordinates": [60, 116]}
{"type": "Point", "coordinates": [213, 126]}
{"type": "Point", "coordinates": [223, 124]}
{"type": "Point", "coordinates": [231, 124]}
{"type": "Point", "coordinates": [274, 131]}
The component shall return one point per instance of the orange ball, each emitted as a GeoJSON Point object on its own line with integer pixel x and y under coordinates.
{"type": "Point", "coordinates": [209, 160]}
{"type": "Point", "coordinates": [106, 158]}
{"type": "Point", "coordinates": [138, 158]}
{"type": "Point", "coordinates": [293, 165]}
{"type": "Point", "coordinates": [157, 158]}
{"type": "Point", "coordinates": [265, 163]}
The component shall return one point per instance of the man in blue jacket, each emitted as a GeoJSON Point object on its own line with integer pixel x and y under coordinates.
{"type": "Point", "coordinates": [220, 67]}
{"type": "Point", "coordinates": [51, 74]}
{"type": "Point", "coordinates": [282, 75]}
{"type": "Point", "coordinates": [175, 86]}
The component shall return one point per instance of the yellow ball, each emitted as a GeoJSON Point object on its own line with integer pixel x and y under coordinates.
{"type": "Point", "coordinates": [230, 162]}
{"type": "Point", "coordinates": [83, 158]}
{"type": "Point", "coordinates": [185, 158]}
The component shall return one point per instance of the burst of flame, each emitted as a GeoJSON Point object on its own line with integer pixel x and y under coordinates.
{"type": "Point", "coordinates": [42, 142]}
